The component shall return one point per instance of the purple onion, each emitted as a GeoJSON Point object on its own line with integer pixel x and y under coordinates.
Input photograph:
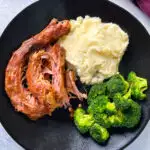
{"type": "Point", "coordinates": [144, 5]}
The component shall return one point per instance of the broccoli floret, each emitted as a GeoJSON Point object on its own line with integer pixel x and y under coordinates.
{"type": "Point", "coordinates": [110, 108]}
{"type": "Point", "coordinates": [117, 84]}
{"type": "Point", "coordinates": [95, 91]}
{"type": "Point", "coordinates": [97, 108]}
{"type": "Point", "coordinates": [129, 117]}
{"type": "Point", "coordinates": [132, 115]}
{"type": "Point", "coordinates": [102, 119]}
{"type": "Point", "coordinates": [138, 86]}
{"type": "Point", "coordinates": [98, 105]}
{"type": "Point", "coordinates": [120, 101]}
{"type": "Point", "coordinates": [99, 133]}
{"type": "Point", "coordinates": [82, 120]}
{"type": "Point", "coordinates": [117, 119]}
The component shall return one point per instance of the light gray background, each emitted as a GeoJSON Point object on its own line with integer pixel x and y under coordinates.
{"type": "Point", "coordinates": [10, 8]}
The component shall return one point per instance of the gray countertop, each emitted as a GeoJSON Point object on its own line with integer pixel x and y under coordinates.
{"type": "Point", "coordinates": [10, 8]}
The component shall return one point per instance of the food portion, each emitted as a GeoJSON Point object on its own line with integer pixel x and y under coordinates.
{"type": "Point", "coordinates": [41, 96]}
{"type": "Point", "coordinates": [111, 105]}
{"type": "Point", "coordinates": [94, 48]}
{"type": "Point", "coordinates": [41, 76]}
{"type": "Point", "coordinates": [138, 86]}
{"type": "Point", "coordinates": [71, 85]}
{"type": "Point", "coordinates": [38, 85]}
{"type": "Point", "coordinates": [21, 98]}
{"type": "Point", "coordinates": [57, 54]}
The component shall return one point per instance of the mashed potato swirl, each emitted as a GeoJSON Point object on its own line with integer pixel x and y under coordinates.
{"type": "Point", "coordinates": [94, 48]}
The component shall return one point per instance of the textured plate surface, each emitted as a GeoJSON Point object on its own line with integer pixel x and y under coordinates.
{"type": "Point", "coordinates": [59, 133]}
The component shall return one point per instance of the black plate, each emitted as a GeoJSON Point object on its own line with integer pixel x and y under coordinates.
{"type": "Point", "coordinates": [59, 133]}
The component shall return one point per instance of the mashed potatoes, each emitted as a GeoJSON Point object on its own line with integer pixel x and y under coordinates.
{"type": "Point", "coordinates": [94, 48]}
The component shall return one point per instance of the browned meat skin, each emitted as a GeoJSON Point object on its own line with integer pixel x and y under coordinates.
{"type": "Point", "coordinates": [58, 78]}
{"type": "Point", "coordinates": [21, 98]}
{"type": "Point", "coordinates": [34, 76]}
{"type": "Point", "coordinates": [71, 85]}
{"type": "Point", "coordinates": [37, 83]}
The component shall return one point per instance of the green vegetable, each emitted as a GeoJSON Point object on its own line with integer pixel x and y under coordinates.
{"type": "Point", "coordinates": [110, 105]}
{"type": "Point", "coordinates": [98, 105]}
{"type": "Point", "coordinates": [99, 133]}
{"type": "Point", "coordinates": [117, 84]}
{"type": "Point", "coordinates": [120, 101]}
{"type": "Point", "coordinates": [98, 108]}
{"type": "Point", "coordinates": [129, 117]}
{"type": "Point", "coordinates": [82, 120]}
{"type": "Point", "coordinates": [132, 115]}
{"type": "Point", "coordinates": [117, 119]}
{"type": "Point", "coordinates": [110, 108]}
{"type": "Point", "coordinates": [95, 91]}
{"type": "Point", "coordinates": [138, 86]}
{"type": "Point", "coordinates": [102, 119]}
